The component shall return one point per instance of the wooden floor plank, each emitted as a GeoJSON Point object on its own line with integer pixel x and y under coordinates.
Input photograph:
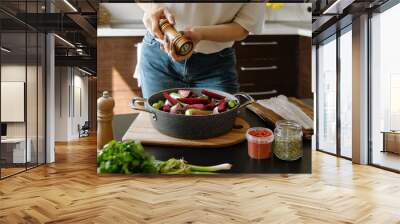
{"type": "Point", "coordinates": [69, 191]}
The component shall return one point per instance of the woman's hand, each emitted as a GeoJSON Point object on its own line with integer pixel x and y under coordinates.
{"type": "Point", "coordinates": [191, 34]}
{"type": "Point", "coordinates": [151, 20]}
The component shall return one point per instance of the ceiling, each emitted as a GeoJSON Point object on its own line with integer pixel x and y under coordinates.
{"type": "Point", "coordinates": [57, 5]}
{"type": "Point", "coordinates": [332, 15]}
{"type": "Point", "coordinates": [74, 21]}
{"type": "Point", "coordinates": [16, 43]}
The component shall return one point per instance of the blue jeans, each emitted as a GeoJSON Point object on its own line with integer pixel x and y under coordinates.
{"type": "Point", "coordinates": [213, 71]}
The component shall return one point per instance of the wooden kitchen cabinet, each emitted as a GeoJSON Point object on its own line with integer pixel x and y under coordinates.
{"type": "Point", "coordinates": [275, 62]}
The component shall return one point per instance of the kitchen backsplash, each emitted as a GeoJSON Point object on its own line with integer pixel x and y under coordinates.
{"type": "Point", "coordinates": [128, 15]}
{"type": "Point", "coordinates": [289, 12]}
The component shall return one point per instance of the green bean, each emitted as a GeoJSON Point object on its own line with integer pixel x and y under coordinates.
{"type": "Point", "coordinates": [158, 105]}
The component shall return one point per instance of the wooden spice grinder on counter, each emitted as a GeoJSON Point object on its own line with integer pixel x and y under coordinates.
{"type": "Point", "coordinates": [105, 106]}
{"type": "Point", "coordinates": [183, 46]}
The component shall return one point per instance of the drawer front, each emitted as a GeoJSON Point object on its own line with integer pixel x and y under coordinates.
{"type": "Point", "coordinates": [264, 69]}
{"type": "Point", "coordinates": [268, 88]}
{"type": "Point", "coordinates": [266, 75]}
{"type": "Point", "coordinates": [263, 46]}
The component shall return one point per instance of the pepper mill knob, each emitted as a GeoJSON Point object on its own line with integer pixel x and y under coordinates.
{"type": "Point", "coordinates": [105, 107]}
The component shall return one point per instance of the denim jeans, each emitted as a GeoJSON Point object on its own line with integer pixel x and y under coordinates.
{"type": "Point", "coordinates": [213, 71]}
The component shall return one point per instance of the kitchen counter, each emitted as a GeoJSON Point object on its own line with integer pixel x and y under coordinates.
{"type": "Point", "coordinates": [236, 155]}
{"type": "Point", "coordinates": [105, 31]}
{"type": "Point", "coordinates": [270, 28]}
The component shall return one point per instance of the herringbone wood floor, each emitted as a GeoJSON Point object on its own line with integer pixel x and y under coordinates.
{"type": "Point", "coordinates": [69, 191]}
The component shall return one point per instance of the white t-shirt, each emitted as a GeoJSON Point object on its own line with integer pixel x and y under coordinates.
{"type": "Point", "coordinates": [249, 15]}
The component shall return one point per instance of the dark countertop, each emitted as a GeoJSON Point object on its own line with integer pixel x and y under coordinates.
{"type": "Point", "coordinates": [236, 155]}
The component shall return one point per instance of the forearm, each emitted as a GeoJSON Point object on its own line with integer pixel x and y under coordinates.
{"type": "Point", "coordinates": [222, 32]}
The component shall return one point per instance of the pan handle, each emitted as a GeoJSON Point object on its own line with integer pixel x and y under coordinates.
{"type": "Point", "coordinates": [248, 98]}
{"type": "Point", "coordinates": [135, 102]}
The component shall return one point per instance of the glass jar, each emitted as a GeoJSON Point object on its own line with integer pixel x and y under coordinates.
{"type": "Point", "coordinates": [288, 144]}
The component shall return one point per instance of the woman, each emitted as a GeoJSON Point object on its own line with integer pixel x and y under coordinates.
{"type": "Point", "coordinates": [213, 28]}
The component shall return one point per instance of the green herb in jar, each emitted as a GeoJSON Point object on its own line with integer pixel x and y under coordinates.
{"type": "Point", "coordinates": [288, 144]}
{"type": "Point", "coordinates": [288, 150]}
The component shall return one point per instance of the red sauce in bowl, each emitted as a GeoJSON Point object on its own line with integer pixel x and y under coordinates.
{"type": "Point", "coordinates": [259, 143]}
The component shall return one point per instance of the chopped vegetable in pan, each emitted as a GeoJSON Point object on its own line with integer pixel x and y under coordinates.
{"type": "Point", "coordinates": [184, 101]}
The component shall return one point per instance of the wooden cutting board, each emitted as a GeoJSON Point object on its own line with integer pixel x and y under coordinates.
{"type": "Point", "coordinates": [141, 129]}
{"type": "Point", "coordinates": [270, 117]}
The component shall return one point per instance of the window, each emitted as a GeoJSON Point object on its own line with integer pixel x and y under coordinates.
{"type": "Point", "coordinates": [22, 101]}
{"type": "Point", "coordinates": [334, 109]}
{"type": "Point", "coordinates": [385, 87]}
{"type": "Point", "coordinates": [326, 96]}
{"type": "Point", "coordinates": [346, 93]}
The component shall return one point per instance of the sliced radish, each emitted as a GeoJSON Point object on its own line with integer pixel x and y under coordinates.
{"type": "Point", "coordinates": [215, 110]}
{"type": "Point", "coordinates": [169, 98]}
{"type": "Point", "coordinates": [184, 93]}
{"type": "Point", "coordinates": [197, 106]}
{"type": "Point", "coordinates": [166, 108]}
{"type": "Point", "coordinates": [221, 106]}
{"type": "Point", "coordinates": [177, 109]}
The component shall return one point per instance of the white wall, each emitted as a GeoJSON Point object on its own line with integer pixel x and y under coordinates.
{"type": "Point", "coordinates": [82, 82]}
{"type": "Point", "coordinates": [33, 126]}
{"type": "Point", "coordinates": [61, 103]}
{"type": "Point", "coordinates": [80, 98]}
{"type": "Point", "coordinates": [70, 81]}
{"type": "Point", "coordinates": [14, 73]}
{"type": "Point", "coordinates": [296, 12]}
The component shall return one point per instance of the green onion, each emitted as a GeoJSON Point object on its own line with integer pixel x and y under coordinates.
{"type": "Point", "coordinates": [224, 166]}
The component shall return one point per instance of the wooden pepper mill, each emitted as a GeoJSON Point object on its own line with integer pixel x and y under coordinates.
{"type": "Point", "coordinates": [105, 106]}
{"type": "Point", "coordinates": [183, 46]}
